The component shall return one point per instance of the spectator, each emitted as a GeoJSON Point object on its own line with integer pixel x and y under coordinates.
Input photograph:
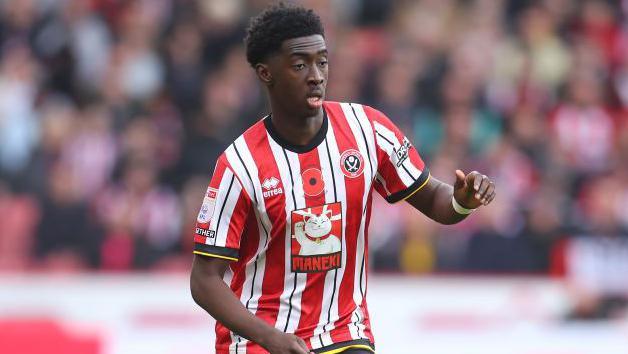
{"type": "Point", "coordinates": [67, 238]}
{"type": "Point", "coordinates": [140, 216]}
{"type": "Point", "coordinates": [132, 101]}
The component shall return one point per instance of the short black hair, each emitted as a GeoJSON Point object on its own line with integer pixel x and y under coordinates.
{"type": "Point", "coordinates": [277, 23]}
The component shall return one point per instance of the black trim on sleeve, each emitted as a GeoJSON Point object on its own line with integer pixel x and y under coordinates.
{"type": "Point", "coordinates": [418, 183]}
{"type": "Point", "coordinates": [335, 346]}
{"type": "Point", "coordinates": [216, 251]}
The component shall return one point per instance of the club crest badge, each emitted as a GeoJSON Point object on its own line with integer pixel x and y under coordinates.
{"type": "Point", "coordinates": [352, 163]}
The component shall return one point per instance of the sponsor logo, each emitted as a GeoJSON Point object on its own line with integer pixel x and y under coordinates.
{"type": "Point", "coordinates": [271, 187]}
{"type": "Point", "coordinates": [315, 264]}
{"type": "Point", "coordinates": [316, 244]}
{"type": "Point", "coordinates": [403, 152]}
{"type": "Point", "coordinates": [313, 183]}
{"type": "Point", "coordinates": [352, 163]}
{"type": "Point", "coordinates": [206, 233]}
{"type": "Point", "coordinates": [207, 208]}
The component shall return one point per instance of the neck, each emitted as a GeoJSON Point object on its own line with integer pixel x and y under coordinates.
{"type": "Point", "coordinates": [294, 129]}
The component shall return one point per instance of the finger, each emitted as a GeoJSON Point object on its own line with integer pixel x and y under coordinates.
{"type": "Point", "coordinates": [302, 345]}
{"type": "Point", "coordinates": [299, 350]}
{"type": "Point", "coordinates": [474, 178]}
{"type": "Point", "coordinates": [484, 184]}
{"type": "Point", "coordinates": [460, 179]}
{"type": "Point", "coordinates": [490, 198]}
{"type": "Point", "coordinates": [490, 191]}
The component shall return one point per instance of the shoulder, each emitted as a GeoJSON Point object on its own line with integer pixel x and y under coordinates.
{"type": "Point", "coordinates": [349, 109]}
{"type": "Point", "coordinates": [251, 137]}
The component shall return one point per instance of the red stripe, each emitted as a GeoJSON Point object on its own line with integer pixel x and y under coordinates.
{"type": "Point", "coordinates": [239, 229]}
{"type": "Point", "coordinates": [238, 219]}
{"type": "Point", "coordinates": [273, 282]}
{"type": "Point", "coordinates": [367, 320]}
{"type": "Point", "coordinates": [354, 188]}
{"type": "Point", "coordinates": [246, 253]}
{"type": "Point", "coordinates": [312, 296]}
{"type": "Point", "coordinates": [219, 172]}
{"type": "Point", "coordinates": [416, 160]}
{"type": "Point", "coordinates": [248, 250]}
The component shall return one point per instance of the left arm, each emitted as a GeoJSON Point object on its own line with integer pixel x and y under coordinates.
{"type": "Point", "coordinates": [402, 174]}
{"type": "Point", "coordinates": [435, 198]}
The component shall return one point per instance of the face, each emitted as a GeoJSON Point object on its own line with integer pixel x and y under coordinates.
{"type": "Point", "coordinates": [296, 77]}
{"type": "Point", "coordinates": [318, 225]}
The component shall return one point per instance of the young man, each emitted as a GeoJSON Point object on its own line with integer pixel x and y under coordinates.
{"type": "Point", "coordinates": [281, 239]}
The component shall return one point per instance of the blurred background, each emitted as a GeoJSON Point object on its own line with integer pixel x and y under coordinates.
{"type": "Point", "coordinates": [113, 112]}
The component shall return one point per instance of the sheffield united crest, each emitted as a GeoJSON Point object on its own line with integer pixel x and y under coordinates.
{"type": "Point", "coordinates": [352, 163]}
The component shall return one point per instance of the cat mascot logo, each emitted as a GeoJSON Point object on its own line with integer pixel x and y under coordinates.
{"type": "Point", "coordinates": [317, 238]}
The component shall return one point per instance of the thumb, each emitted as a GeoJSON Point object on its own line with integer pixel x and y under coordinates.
{"type": "Point", "coordinates": [460, 180]}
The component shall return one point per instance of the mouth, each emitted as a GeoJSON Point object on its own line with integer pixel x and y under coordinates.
{"type": "Point", "coordinates": [315, 100]}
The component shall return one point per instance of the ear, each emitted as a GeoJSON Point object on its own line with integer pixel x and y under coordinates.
{"type": "Point", "coordinates": [263, 73]}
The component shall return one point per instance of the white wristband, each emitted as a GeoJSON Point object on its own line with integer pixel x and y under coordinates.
{"type": "Point", "coordinates": [459, 208]}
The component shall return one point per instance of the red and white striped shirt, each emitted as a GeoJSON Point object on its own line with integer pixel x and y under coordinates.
{"type": "Point", "coordinates": [294, 221]}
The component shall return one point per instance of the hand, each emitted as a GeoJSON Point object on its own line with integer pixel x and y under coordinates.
{"type": "Point", "coordinates": [285, 343]}
{"type": "Point", "coordinates": [473, 190]}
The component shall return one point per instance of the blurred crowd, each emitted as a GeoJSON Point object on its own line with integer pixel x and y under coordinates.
{"type": "Point", "coordinates": [113, 112]}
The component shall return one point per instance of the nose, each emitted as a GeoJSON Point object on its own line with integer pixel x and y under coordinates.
{"type": "Point", "coordinates": [315, 76]}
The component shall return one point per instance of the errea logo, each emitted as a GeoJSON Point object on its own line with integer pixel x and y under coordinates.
{"type": "Point", "coordinates": [270, 186]}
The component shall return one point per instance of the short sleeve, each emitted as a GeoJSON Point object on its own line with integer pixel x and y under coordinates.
{"type": "Point", "coordinates": [401, 172]}
{"type": "Point", "coordinates": [222, 216]}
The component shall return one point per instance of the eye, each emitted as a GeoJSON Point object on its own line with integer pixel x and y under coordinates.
{"type": "Point", "coordinates": [298, 67]}
{"type": "Point", "coordinates": [323, 63]}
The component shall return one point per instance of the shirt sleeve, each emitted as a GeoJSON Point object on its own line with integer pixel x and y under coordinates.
{"type": "Point", "coordinates": [401, 172]}
{"type": "Point", "coordinates": [222, 216]}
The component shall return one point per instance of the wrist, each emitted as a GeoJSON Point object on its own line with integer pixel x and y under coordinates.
{"type": "Point", "coordinates": [458, 208]}
{"type": "Point", "coordinates": [267, 337]}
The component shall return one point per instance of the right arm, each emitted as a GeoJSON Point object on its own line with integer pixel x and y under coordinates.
{"type": "Point", "coordinates": [211, 293]}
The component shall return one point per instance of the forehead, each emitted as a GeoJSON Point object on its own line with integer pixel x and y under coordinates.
{"type": "Point", "coordinates": [308, 45]}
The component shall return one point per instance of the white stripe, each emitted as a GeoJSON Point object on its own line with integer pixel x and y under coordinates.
{"type": "Point", "coordinates": [367, 127]}
{"type": "Point", "coordinates": [263, 223]}
{"type": "Point", "coordinates": [362, 145]}
{"type": "Point", "coordinates": [238, 169]}
{"type": "Point", "coordinates": [289, 277]}
{"type": "Point", "coordinates": [329, 197]}
{"type": "Point", "coordinates": [256, 266]}
{"type": "Point", "coordinates": [222, 229]}
{"type": "Point", "coordinates": [326, 337]}
{"type": "Point", "coordinates": [223, 186]}
{"type": "Point", "coordinates": [301, 278]}
{"type": "Point", "coordinates": [315, 342]}
{"type": "Point", "coordinates": [415, 172]}
{"type": "Point", "coordinates": [382, 182]}
{"type": "Point", "coordinates": [358, 277]}
{"type": "Point", "coordinates": [358, 326]}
